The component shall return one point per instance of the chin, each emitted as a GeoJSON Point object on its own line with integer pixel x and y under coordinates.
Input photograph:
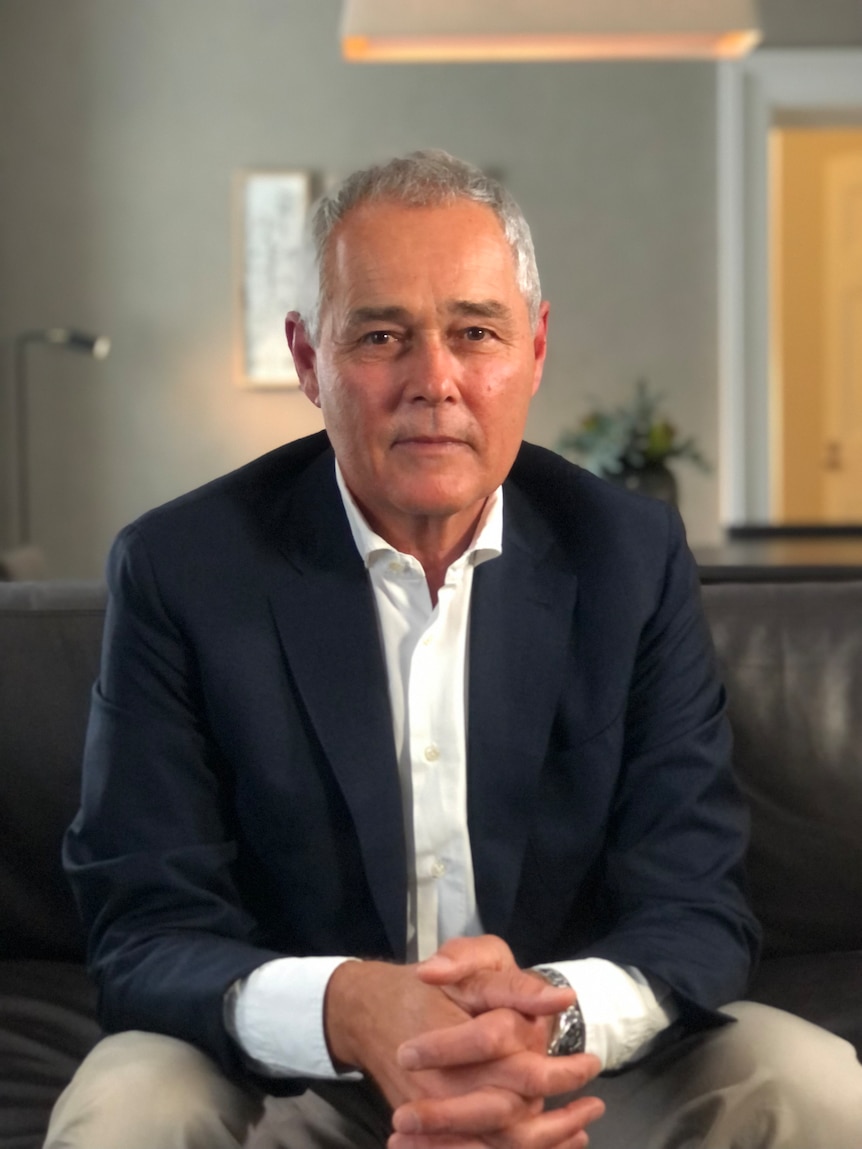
{"type": "Point", "coordinates": [442, 504]}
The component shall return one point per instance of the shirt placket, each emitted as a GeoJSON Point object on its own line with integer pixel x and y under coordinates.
{"type": "Point", "coordinates": [425, 755]}
{"type": "Point", "coordinates": [433, 757]}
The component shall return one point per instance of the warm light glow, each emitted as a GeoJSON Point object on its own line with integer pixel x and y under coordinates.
{"type": "Point", "coordinates": [734, 44]}
{"type": "Point", "coordinates": [417, 31]}
{"type": "Point", "coordinates": [472, 49]}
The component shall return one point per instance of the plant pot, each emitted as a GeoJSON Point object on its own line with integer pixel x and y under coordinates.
{"type": "Point", "coordinates": [655, 479]}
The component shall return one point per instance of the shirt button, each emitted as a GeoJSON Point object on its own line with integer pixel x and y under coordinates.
{"type": "Point", "coordinates": [395, 567]}
{"type": "Point", "coordinates": [438, 868]}
{"type": "Point", "coordinates": [432, 752]}
{"type": "Point", "coordinates": [428, 639]}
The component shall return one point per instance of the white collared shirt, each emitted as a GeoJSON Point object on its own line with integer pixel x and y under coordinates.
{"type": "Point", "coordinates": [426, 649]}
{"type": "Point", "coordinates": [426, 653]}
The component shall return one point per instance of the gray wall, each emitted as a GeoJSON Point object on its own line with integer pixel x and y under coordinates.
{"type": "Point", "coordinates": [121, 124]}
{"type": "Point", "coordinates": [811, 23]}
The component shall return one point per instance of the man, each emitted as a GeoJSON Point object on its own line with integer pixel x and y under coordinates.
{"type": "Point", "coordinates": [415, 694]}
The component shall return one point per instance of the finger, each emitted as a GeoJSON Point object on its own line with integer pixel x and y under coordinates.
{"type": "Point", "coordinates": [483, 1038]}
{"type": "Point", "coordinates": [484, 1110]}
{"type": "Point", "coordinates": [579, 1140]}
{"type": "Point", "coordinates": [444, 1141]}
{"type": "Point", "coordinates": [462, 957]}
{"type": "Point", "coordinates": [511, 988]}
{"type": "Point", "coordinates": [553, 1129]}
{"type": "Point", "coordinates": [488, 1037]}
{"type": "Point", "coordinates": [473, 1116]}
{"type": "Point", "coordinates": [537, 1075]}
{"type": "Point", "coordinates": [528, 1076]}
{"type": "Point", "coordinates": [432, 1141]}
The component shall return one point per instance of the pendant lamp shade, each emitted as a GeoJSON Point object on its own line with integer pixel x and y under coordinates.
{"type": "Point", "coordinates": [414, 31]}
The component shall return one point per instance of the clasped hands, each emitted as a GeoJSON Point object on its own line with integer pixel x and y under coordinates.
{"type": "Point", "coordinates": [457, 1044]}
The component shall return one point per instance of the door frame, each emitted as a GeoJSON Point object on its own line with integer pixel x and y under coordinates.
{"type": "Point", "coordinates": [768, 88]}
{"type": "Point", "coordinates": [843, 486]}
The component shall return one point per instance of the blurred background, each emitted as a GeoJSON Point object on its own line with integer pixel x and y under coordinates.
{"type": "Point", "coordinates": [123, 126]}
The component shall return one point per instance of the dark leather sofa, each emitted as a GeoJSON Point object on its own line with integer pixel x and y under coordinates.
{"type": "Point", "coordinates": [792, 658]}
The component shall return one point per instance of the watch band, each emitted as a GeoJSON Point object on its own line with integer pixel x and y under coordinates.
{"type": "Point", "coordinates": [569, 1034]}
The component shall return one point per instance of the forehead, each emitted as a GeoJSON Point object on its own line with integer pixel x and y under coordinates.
{"type": "Point", "coordinates": [386, 252]}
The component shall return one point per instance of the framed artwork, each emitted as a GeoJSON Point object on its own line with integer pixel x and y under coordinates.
{"type": "Point", "coordinates": [271, 207]}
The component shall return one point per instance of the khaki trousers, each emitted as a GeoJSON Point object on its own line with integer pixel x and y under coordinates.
{"type": "Point", "coordinates": [771, 1081]}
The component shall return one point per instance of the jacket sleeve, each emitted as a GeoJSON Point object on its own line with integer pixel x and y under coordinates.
{"type": "Point", "coordinates": [151, 853]}
{"type": "Point", "coordinates": [673, 866]}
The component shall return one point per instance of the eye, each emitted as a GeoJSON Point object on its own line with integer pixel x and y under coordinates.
{"type": "Point", "coordinates": [377, 338]}
{"type": "Point", "coordinates": [477, 334]}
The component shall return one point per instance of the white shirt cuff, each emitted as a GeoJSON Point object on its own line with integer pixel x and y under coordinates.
{"type": "Point", "coordinates": [621, 1013]}
{"type": "Point", "coordinates": [276, 1016]}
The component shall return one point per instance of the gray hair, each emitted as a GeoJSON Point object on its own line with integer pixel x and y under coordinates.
{"type": "Point", "coordinates": [420, 179]}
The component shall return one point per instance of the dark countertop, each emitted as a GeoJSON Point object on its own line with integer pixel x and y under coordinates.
{"type": "Point", "coordinates": [784, 558]}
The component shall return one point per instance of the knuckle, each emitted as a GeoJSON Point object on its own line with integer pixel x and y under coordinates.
{"type": "Point", "coordinates": [534, 1074]}
{"type": "Point", "coordinates": [509, 1024]}
{"type": "Point", "coordinates": [520, 1136]}
{"type": "Point", "coordinates": [495, 1031]}
{"type": "Point", "coordinates": [526, 1075]}
{"type": "Point", "coordinates": [513, 1107]}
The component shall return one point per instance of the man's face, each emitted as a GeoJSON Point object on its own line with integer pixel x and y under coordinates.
{"type": "Point", "coordinates": [426, 361]}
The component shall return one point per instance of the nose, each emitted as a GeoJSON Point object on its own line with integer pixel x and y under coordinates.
{"type": "Point", "coordinates": [433, 373]}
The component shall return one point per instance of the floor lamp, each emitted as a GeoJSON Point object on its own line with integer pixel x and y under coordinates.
{"type": "Point", "coordinates": [24, 559]}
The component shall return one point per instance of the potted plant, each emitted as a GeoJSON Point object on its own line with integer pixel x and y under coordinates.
{"type": "Point", "coordinates": [632, 445]}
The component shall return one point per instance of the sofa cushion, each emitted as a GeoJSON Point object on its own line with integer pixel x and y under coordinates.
{"type": "Point", "coordinates": [791, 657]}
{"type": "Point", "coordinates": [47, 1026]}
{"type": "Point", "coordinates": [50, 635]}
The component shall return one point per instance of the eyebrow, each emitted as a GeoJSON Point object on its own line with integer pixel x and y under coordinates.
{"type": "Point", "coordinates": [481, 308]}
{"type": "Point", "coordinates": [379, 314]}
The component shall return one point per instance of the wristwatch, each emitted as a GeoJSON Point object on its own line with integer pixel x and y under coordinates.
{"type": "Point", "coordinates": [569, 1034]}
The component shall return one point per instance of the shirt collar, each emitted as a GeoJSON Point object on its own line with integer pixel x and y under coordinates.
{"type": "Point", "coordinates": [487, 542]}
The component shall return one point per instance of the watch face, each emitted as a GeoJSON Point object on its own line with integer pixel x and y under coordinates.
{"type": "Point", "coordinates": [570, 1036]}
{"type": "Point", "coordinates": [569, 1033]}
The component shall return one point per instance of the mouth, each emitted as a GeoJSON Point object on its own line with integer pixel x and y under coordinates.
{"type": "Point", "coordinates": [430, 442]}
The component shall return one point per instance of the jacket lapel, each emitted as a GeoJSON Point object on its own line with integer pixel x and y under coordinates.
{"type": "Point", "coordinates": [521, 617]}
{"type": "Point", "coordinates": [324, 611]}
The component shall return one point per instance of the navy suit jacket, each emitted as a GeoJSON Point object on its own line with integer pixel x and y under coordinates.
{"type": "Point", "coordinates": [241, 796]}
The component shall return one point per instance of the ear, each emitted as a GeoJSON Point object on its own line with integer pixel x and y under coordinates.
{"type": "Point", "coordinates": [304, 356]}
{"type": "Point", "coordinates": [540, 344]}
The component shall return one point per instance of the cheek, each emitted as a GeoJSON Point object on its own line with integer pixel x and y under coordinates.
{"type": "Point", "coordinates": [501, 398]}
{"type": "Point", "coordinates": [352, 420]}
{"type": "Point", "coordinates": [339, 397]}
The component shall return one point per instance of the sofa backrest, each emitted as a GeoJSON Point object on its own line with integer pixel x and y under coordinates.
{"type": "Point", "coordinates": [50, 635]}
{"type": "Point", "coordinates": [791, 656]}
